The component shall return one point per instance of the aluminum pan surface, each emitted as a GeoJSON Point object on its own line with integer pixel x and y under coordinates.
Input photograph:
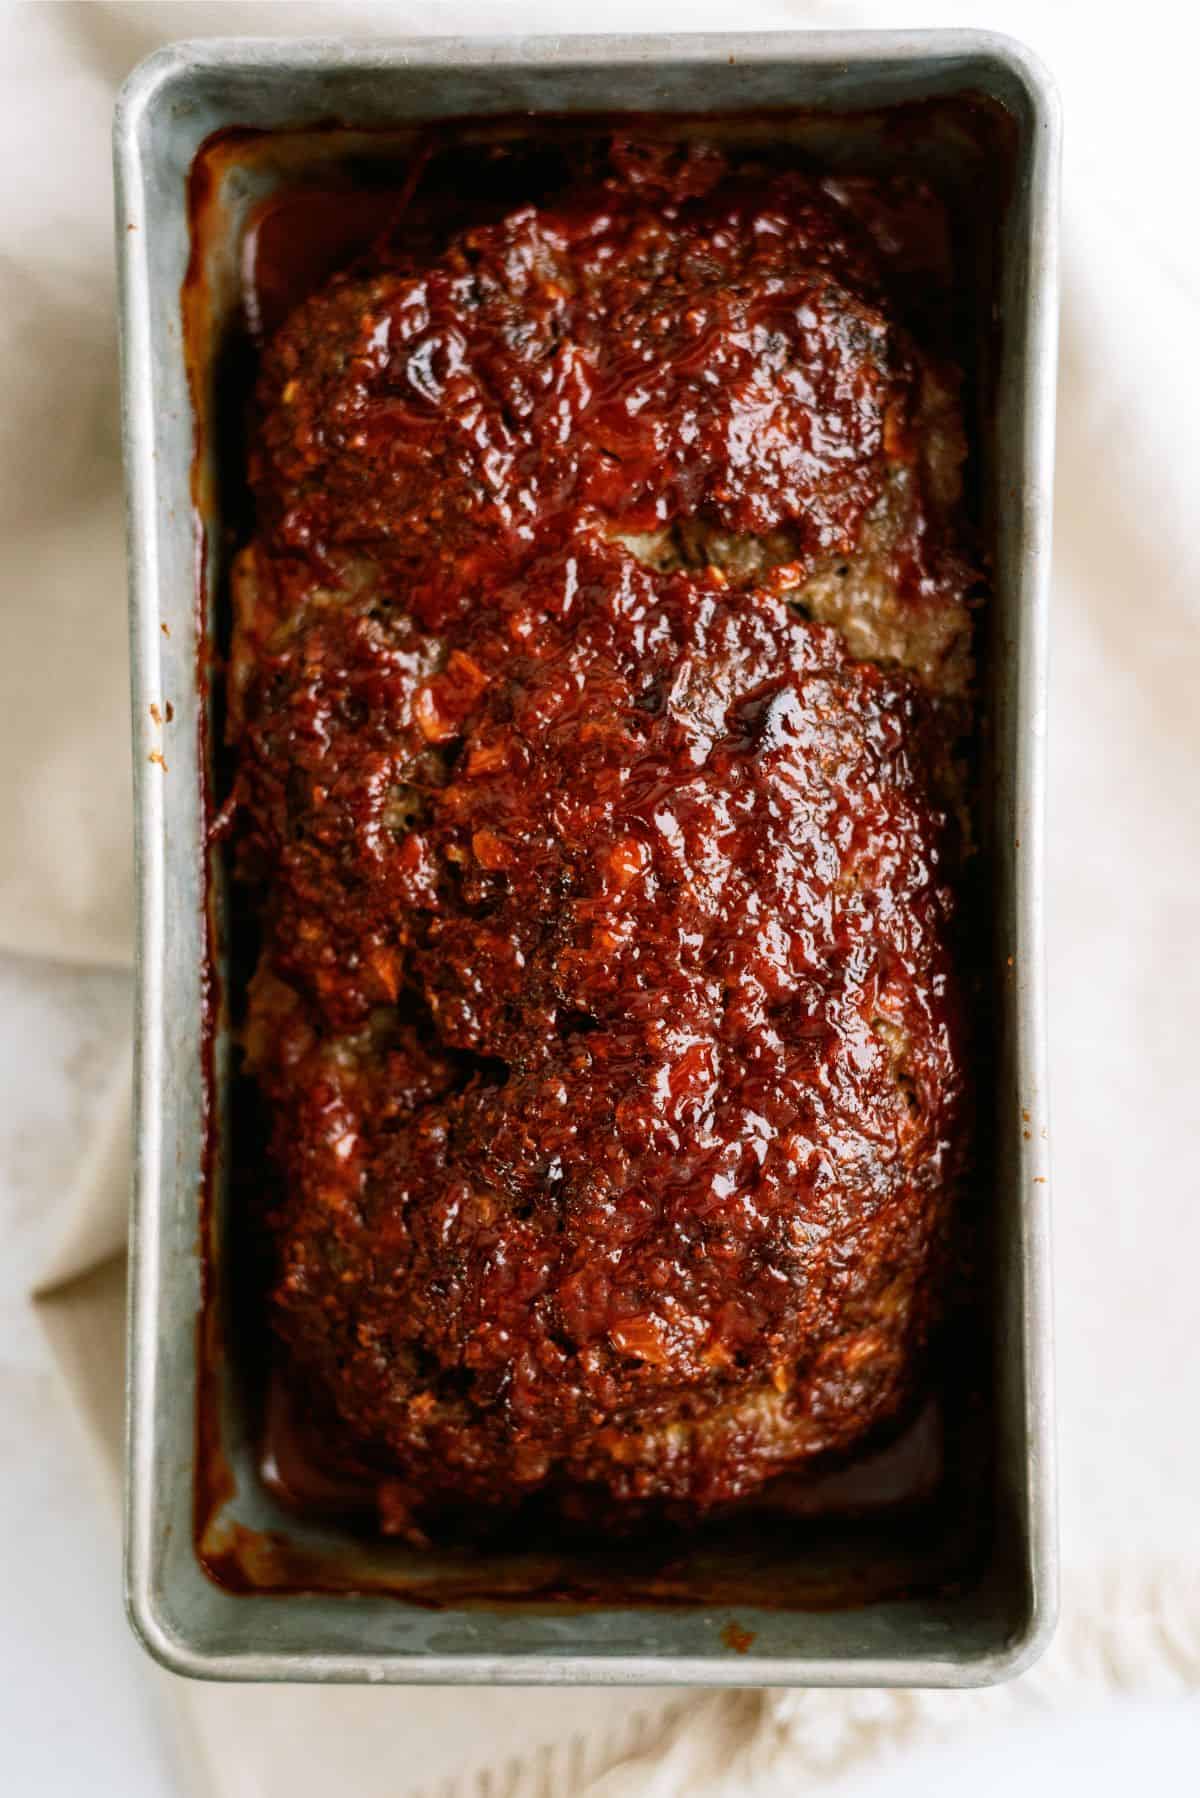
{"type": "Point", "coordinates": [168, 106]}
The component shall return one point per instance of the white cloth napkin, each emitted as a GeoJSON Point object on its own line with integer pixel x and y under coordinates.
{"type": "Point", "coordinates": [1124, 915]}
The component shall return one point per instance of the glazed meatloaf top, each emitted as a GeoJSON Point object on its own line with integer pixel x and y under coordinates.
{"type": "Point", "coordinates": [599, 665]}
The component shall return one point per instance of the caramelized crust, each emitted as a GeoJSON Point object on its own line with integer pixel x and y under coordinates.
{"type": "Point", "coordinates": [595, 680]}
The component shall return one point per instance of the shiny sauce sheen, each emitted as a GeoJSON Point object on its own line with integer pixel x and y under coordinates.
{"type": "Point", "coordinates": [599, 893]}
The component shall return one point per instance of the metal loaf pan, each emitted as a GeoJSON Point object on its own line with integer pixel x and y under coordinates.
{"type": "Point", "coordinates": [377, 1621]}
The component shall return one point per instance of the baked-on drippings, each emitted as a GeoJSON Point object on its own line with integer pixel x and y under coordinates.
{"type": "Point", "coordinates": [596, 675]}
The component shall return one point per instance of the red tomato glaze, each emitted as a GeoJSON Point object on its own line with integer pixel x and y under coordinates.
{"type": "Point", "coordinates": [606, 1008]}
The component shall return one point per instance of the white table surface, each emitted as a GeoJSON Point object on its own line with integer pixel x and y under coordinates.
{"type": "Point", "coordinates": [77, 1714]}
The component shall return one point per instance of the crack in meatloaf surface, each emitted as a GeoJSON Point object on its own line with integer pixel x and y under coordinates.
{"type": "Point", "coordinates": [599, 665]}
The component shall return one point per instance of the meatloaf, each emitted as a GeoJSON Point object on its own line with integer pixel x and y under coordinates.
{"type": "Point", "coordinates": [600, 673]}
